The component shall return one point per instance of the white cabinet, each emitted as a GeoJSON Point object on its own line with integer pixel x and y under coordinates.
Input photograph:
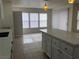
{"type": "Point", "coordinates": [57, 48]}
{"type": "Point", "coordinates": [49, 47]}
{"type": "Point", "coordinates": [56, 54]}
{"type": "Point", "coordinates": [67, 48]}
{"type": "Point", "coordinates": [61, 50]}
{"type": "Point", "coordinates": [66, 56]}
{"type": "Point", "coordinates": [46, 44]}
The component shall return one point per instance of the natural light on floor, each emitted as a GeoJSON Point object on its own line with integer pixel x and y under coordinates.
{"type": "Point", "coordinates": [31, 38]}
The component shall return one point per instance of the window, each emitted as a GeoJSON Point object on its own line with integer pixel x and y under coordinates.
{"type": "Point", "coordinates": [25, 20]}
{"type": "Point", "coordinates": [60, 19]}
{"type": "Point", "coordinates": [34, 20]}
{"type": "Point", "coordinates": [43, 19]}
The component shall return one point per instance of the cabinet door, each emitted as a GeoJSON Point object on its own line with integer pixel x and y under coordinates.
{"type": "Point", "coordinates": [44, 43]}
{"type": "Point", "coordinates": [49, 47]}
{"type": "Point", "coordinates": [52, 52]}
{"type": "Point", "coordinates": [56, 54]}
{"type": "Point", "coordinates": [66, 56]}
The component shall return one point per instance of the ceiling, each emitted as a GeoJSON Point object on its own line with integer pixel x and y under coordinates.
{"type": "Point", "coordinates": [27, 3]}
{"type": "Point", "coordinates": [39, 3]}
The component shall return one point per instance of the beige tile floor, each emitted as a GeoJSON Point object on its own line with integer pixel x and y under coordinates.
{"type": "Point", "coordinates": [28, 46]}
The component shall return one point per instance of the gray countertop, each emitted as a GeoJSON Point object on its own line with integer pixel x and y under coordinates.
{"type": "Point", "coordinates": [70, 37]}
{"type": "Point", "coordinates": [5, 30]}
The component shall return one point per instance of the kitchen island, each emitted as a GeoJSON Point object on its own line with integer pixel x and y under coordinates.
{"type": "Point", "coordinates": [60, 44]}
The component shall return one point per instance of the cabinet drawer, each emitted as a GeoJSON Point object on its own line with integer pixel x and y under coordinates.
{"type": "Point", "coordinates": [67, 48]}
{"type": "Point", "coordinates": [56, 42]}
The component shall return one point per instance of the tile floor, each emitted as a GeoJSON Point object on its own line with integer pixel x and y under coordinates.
{"type": "Point", "coordinates": [28, 46]}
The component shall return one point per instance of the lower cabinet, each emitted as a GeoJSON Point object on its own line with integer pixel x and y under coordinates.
{"type": "Point", "coordinates": [46, 45]}
{"type": "Point", "coordinates": [55, 48]}
{"type": "Point", "coordinates": [58, 54]}
{"type": "Point", "coordinates": [66, 56]}
{"type": "Point", "coordinates": [49, 47]}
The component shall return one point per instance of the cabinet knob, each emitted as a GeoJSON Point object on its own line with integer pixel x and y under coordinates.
{"type": "Point", "coordinates": [65, 48]}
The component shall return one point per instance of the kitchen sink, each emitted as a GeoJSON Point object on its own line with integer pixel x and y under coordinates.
{"type": "Point", "coordinates": [4, 34]}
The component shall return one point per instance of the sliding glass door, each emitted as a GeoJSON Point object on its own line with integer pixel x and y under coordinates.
{"type": "Point", "coordinates": [34, 20]}
{"type": "Point", "coordinates": [25, 20]}
{"type": "Point", "coordinates": [43, 19]}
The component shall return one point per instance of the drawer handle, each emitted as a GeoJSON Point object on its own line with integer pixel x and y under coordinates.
{"type": "Point", "coordinates": [65, 48]}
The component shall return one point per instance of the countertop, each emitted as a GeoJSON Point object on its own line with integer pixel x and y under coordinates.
{"type": "Point", "coordinates": [5, 30]}
{"type": "Point", "coordinates": [69, 37]}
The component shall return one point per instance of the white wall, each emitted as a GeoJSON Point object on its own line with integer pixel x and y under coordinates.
{"type": "Point", "coordinates": [6, 16]}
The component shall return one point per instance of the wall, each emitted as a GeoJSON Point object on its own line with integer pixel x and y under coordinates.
{"type": "Point", "coordinates": [17, 23]}
{"type": "Point", "coordinates": [49, 22]}
{"type": "Point", "coordinates": [70, 15]}
{"type": "Point", "coordinates": [74, 17]}
{"type": "Point", "coordinates": [7, 16]}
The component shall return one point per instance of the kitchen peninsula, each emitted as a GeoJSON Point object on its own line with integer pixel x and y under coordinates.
{"type": "Point", "coordinates": [60, 44]}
